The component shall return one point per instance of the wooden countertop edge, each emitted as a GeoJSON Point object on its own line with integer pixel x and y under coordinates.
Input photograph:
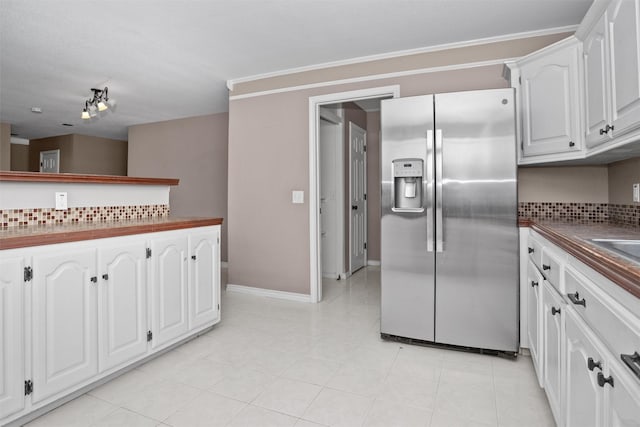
{"type": "Point", "coordinates": [608, 266]}
{"type": "Point", "coordinates": [84, 179]}
{"type": "Point", "coordinates": [102, 233]}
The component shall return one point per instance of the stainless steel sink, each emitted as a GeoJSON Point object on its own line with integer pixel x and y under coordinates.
{"type": "Point", "coordinates": [625, 247]}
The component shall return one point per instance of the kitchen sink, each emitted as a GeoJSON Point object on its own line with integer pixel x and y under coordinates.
{"type": "Point", "coordinates": [625, 247]}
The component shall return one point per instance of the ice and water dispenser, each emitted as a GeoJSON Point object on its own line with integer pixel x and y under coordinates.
{"type": "Point", "coordinates": [407, 185]}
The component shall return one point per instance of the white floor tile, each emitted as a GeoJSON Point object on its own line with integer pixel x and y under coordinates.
{"type": "Point", "coordinates": [415, 391]}
{"type": "Point", "coordinates": [123, 417]}
{"type": "Point", "coordinates": [390, 414]}
{"type": "Point", "coordinates": [337, 408]}
{"type": "Point", "coordinates": [287, 396]}
{"type": "Point", "coordinates": [355, 379]}
{"type": "Point", "coordinates": [79, 412]}
{"type": "Point", "coordinates": [207, 410]}
{"type": "Point", "coordinates": [311, 370]}
{"type": "Point", "coordinates": [440, 419]}
{"type": "Point", "coordinates": [253, 416]}
{"type": "Point", "coordinates": [243, 384]}
{"type": "Point", "coordinates": [160, 400]}
{"type": "Point", "coordinates": [201, 373]}
{"type": "Point", "coordinates": [124, 388]}
{"type": "Point", "coordinates": [472, 402]}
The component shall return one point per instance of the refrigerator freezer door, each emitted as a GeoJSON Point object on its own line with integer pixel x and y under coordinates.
{"type": "Point", "coordinates": [477, 269]}
{"type": "Point", "coordinates": [407, 257]}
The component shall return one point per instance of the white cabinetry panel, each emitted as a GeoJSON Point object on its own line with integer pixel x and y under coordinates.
{"type": "Point", "coordinates": [64, 321]}
{"type": "Point", "coordinates": [204, 278]}
{"type": "Point", "coordinates": [11, 335]}
{"type": "Point", "coordinates": [552, 345]}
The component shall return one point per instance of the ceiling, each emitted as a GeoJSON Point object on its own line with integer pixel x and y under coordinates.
{"type": "Point", "coordinates": [167, 59]}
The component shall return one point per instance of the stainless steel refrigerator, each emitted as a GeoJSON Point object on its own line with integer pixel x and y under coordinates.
{"type": "Point", "coordinates": [449, 237]}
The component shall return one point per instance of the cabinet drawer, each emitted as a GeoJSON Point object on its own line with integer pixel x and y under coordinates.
{"type": "Point", "coordinates": [534, 247]}
{"type": "Point", "coordinates": [552, 265]}
{"type": "Point", "coordinates": [613, 324]}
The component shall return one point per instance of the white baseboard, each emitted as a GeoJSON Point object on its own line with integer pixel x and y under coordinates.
{"type": "Point", "coordinates": [224, 264]}
{"type": "Point", "coordinates": [345, 275]}
{"type": "Point", "coordinates": [373, 262]}
{"type": "Point", "coordinates": [291, 296]}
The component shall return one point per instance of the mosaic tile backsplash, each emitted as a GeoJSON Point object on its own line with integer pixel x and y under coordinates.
{"type": "Point", "coordinates": [587, 212]}
{"type": "Point", "coordinates": [44, 216]}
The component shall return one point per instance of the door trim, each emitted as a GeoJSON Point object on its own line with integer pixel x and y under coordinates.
{"type": "Point", "coordinates": [315, 269]}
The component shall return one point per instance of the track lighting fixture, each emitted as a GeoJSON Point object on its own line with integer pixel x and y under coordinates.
{"type": "Point", "coordinates": [99, 102]}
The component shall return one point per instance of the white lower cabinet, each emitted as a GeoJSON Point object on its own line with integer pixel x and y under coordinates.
{"type": "Point", "coordinates": [534, 317]}
{"type": "Point", "coordinates": [169, 305]}
{"type": "Point", "coordinates": [204, 299]}
{"type": "Point", "coordinates": [91, 308]}
{"type": "Point", "coordinates": [585, 400]}
{"type": "Point", "coordinates": [122, 304]}
{"type": "Point", "coordinates": [65, 343]}
{"type": "Point", "coordinates": [12, 361]}
{"type": "Point", "coordinates": [584, 337]}
{"type": "Point", "coordinates": [553, 310]}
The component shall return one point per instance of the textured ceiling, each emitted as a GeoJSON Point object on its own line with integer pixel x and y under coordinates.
{"type": "Point", "coordinates": [166, 59]}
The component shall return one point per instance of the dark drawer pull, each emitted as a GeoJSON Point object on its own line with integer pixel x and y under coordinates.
{"type": "Point", "coordinates": [554, 311]}
{"type": "Point", "coordinates": [602, 380]}
{"type": "Point", "coordinates": [591, 364]}
{"type": "Point", "coordinates": [546, 267]}
{"type": "Point", "coordinates": [193, 257]}
{"type": "Point", "coordinates": [534, 283]}
{"type": "Point", "coordinates": [575, 299]}
{"type": "Point", "coordinates": [633, 362]}
{"type": "Point", "coordinates": [105, 276]}
{"type": "Point", "coordinates": [94, 279]}
{"type": "Point", "coordinates": [531, 250]}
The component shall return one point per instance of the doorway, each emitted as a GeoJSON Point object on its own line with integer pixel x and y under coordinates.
{"type": "Point", "coordinates": [352, 171]}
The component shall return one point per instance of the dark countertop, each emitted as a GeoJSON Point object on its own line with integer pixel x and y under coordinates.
{"type": "Point", "coordinates": [36, 235]}
{"type": "Point", "coordinates": [574, 237]}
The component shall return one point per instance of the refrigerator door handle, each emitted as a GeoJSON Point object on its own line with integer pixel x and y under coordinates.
{"type": "Point", "coordinates": [428, 182]}
{"type": "Point", "coordinates": [438, 204]}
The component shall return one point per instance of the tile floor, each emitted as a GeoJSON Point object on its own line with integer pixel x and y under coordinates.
{"type": "Point", "coordinates": [279, 363]}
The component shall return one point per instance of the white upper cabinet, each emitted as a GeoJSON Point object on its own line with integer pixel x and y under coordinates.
{"type": "Point", "coordinates": [596, 74]}
{"type": "Point", "coordinates": [550, 100]}
{"type": "Point", "coordinates": [623, 18]}
{"type": "Point", "coordinates": [11, 335]}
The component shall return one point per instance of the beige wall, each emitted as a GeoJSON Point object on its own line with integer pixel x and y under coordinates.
{"type": "Point", "coordinates": [355, 114]}
{"type": "Point", "coordinates": [64, 143]}
{"type": "Point", "coordinates": [82, 154]}
{"type": "Point", "coordinates": [622, 175]}
{"type": "Point", "coordinates": [5, 146]}
{"type": "Point", "coordinates": [195, 151]}
{"type": "Point", "coordinates": [373, 185]}
{"type": "Point", "coordinates": [19, 157]}
{"type": "Point", "coordinates": [269, 157]}
{"type": "Point", "coordinates": [578, 184]}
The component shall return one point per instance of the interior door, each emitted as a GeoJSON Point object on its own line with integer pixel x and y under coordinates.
{"type": "Point", "coordinates": [357, 191]}
{"type": "Point", "coordinates": [330, 169]}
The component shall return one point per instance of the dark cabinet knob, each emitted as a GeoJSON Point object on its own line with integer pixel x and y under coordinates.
{"type": "Point", "coordinates": [572, 144]}
{"type": "Point", "coordinates": [546, 267]}
{"type": "Point", "coordinates": [554, 311]}
{"type": "Point", "coordinates": [193, 257]}
{"type": "Point", "coordinates": [105, 276]}
{"type": "Point", "coordinates": [575, 299]}
{"type": "Point", "coordinates": [354, 207]}
{"type": "Point", "coordinates": [531, 250]}
{"type": "Point", "coordinates": [94, 279]}
{"type": "Point", "coordinates": [602, 380]}
{"type": "Point", "coordinates": [591, 364]}
{"type": "Point", "coordinates": [533, 283]}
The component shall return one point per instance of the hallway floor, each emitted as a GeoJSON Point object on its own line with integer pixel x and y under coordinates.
{"type": "Point", "coordinates": [279, 363]}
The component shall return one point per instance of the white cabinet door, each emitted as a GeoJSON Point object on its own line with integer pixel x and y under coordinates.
{"type": "Point", "coordinates": [596, 73]}
{"type": "Point", "coordinates": [169, 308]}
{"type": "Point", "coordinates": [584, 397]}
{"type": "Point", "coordinates": [534, 318]}
{"type": "Point", "coordinates": [11, 335]}
{"type": "Point", "coordinates": [550, 102]}
{"type": "Point", "coordinates": [204, 277]}
{"type": "Point", "coordinates": [552, 348]}
{"type": "Point", "coordinates": [122, 302]}
{"type": "Point", "coordinates": [622, 400]}
{"type": "Point", "coordinates": [64, 321]}
{"type": "Point", "coordinates": [624, 27]}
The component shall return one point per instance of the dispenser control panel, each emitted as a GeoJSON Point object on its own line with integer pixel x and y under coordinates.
{"type": "Point", "coordinates": [407, 168]}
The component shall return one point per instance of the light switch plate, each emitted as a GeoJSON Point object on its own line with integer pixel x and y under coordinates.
{"type": "Point", "coordinates": [297, 196]}
{"type": "Point", "coordinates": [636, 193]}
{"type": "Point", "coordinates": [61, 201]}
